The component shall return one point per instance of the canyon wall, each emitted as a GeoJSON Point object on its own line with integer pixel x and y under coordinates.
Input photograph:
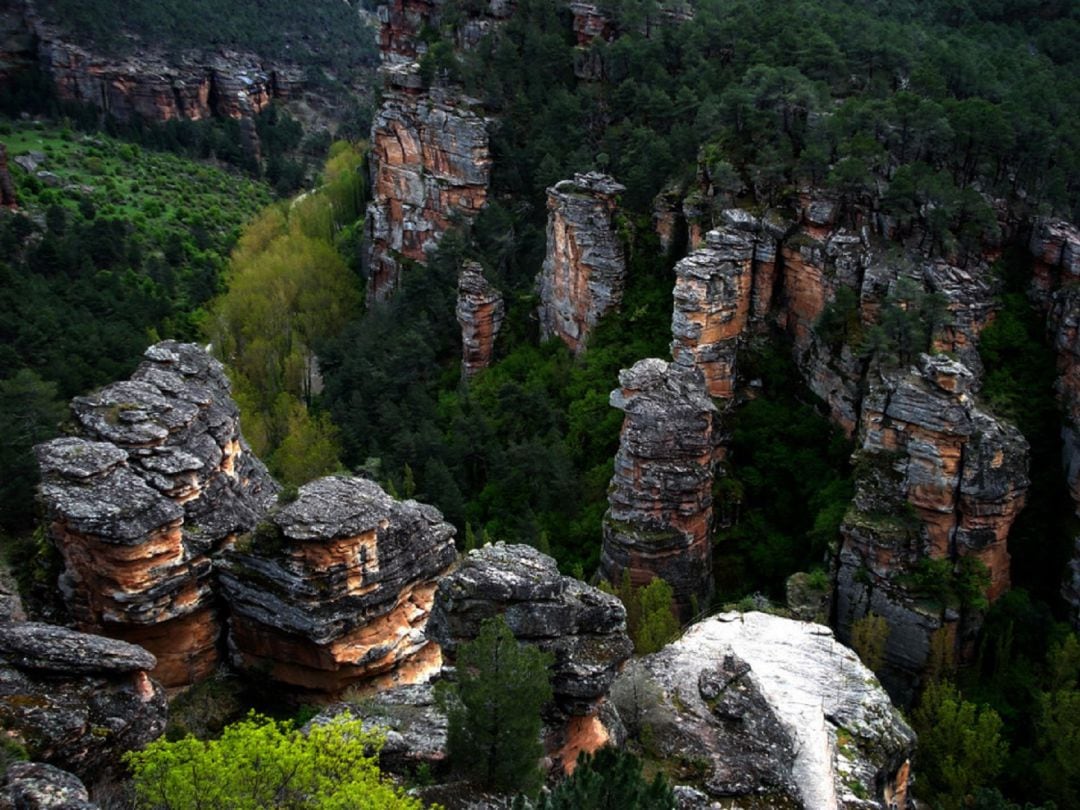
{"type": "Point", "coordinates": [659, 520]}
{"type": "Point", "coordinates": [336, 587]}
{"type": "Point", "coordinates": [584, 270]}
{"type": "Point", "coordinates": [157, 479]}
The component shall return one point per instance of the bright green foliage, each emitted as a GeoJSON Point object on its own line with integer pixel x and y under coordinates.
{"type": "Point", "coordinates": [960, 746]}
{"type": "Point", "coordinates": [650, 618]}
{"type": "Point", "coordinates": [259, 764]}
{"type": "Point", "coordinates": [494, 709]}
{"type": "Point", "coordinates": [868, 638]}
{"type": "Point", "coordinates": [610, 779]}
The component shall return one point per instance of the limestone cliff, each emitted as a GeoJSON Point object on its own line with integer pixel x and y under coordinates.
{"type": "Point", "coordinates": [336, 588]}
{"type": "Point", "coordinates": [75, 700]}
{"type": "Point", "coordinates": [772, 713]}
{"type": "Point", "coordinates": [480, 313]}
{"type": "Point", "coordinates": [584, 269]}
{"type": "Point", "coordinates": [157, 479]}
{"type": "Point", "coordinates": [659, 522]}
{"type": "Point", "coordinates": [937, 479]}
{"type": "Point", "coordinates": [430, 164]}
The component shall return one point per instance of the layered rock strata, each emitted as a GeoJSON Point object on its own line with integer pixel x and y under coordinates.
{"type": "Point", "coordinates": [937, 479]}
{"type": "Point", "coordinates": [773, 712]}
{"type": "Point", "coordinates": [584, 270]}
{"type": "Point", "coordinates": [480, 313]}
{"type": "Point", "coordinates": [583, 627]}
{"type": "Point", "coordinates": [77, 700]}
{"type": "Point", "coordinates": [431, 165]}
{"type": "Point", "coordinates": [659, 520]}
{"type": "Point", "coordinates": [158, 479]}
{"type": "Point", "coordinates": [336, 588]}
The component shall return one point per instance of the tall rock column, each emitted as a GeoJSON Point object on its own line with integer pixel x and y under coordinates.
{"type": "Point", "coordinates": [937, 479]}
{"type": "Point", "coordinates": [584, 272]}
{"type": "Point", "coordinates": [660, 516]}
{"type": "Point", "coordinates": [159, 479]}
{"type": "Point", "coordinates": [480, 312]}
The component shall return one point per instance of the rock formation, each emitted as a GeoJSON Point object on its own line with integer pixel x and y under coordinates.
{"type": "Point", "coordinates": [430, 164]}
{"type": "Point", "coordinates": [769, 712]}
{"type": "Point", "coordinates": [480, 312]}
{"type": "Point", "coordinates": [37, 786]}
{"type": "Point", "coordinates": [336, 588]}
{"type": "Point", "coordinates": [157, 480]}
{"type": "Point", "coordinates": [8, 198]}
{"type": "Point", "coordinates": [584, 271]}
{"type": "Point", "coordinates": [712, 307]}
{"type": "Point", "coordinates": [659, 523]}
{"type": "Point", "coordinates": [583, 627]}
{"type": "Point", "coordinates": [76, 700]}
{"type": "Point", "coordinates": [937, 478]}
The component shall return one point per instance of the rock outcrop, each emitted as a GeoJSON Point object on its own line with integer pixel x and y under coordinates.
{"type": "Point", "coordinates": [584, 628]}
{"type": "Point", "coordinates": [8, 198]}
{"type": "Point", "coordinates": [336, 587]}
{"type": "Point", "coordinates": [937, 479]}
{"type": "Point", "coordinates": [76, 700]}
{"type": "Point", "coordinates": [431, 164]}
{"type": "Point", "coordinates": [584, 271]}
{"type": "Point", "coordinates": [769, 712]}
{"type": "Point", "coordinates": [659, 523]}
{"type": "Point", "coordinates": [37, 786]}
{"type": "Point", "coordinates": [480, 312]}
{"type": "Point", "coordinates": [158, 479]}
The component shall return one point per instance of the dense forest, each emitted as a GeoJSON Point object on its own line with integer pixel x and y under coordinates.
{"type": "Point", "coordinates": [938, 113]}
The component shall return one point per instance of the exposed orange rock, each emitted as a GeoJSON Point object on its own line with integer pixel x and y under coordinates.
{"type": "Point", "coordinates": [480, 313]}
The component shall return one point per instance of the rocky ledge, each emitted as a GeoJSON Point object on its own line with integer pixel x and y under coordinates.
{"type": "Point", "coordinates": [336, 588]}
{"type": "Point", "coordinates": [768, 712]}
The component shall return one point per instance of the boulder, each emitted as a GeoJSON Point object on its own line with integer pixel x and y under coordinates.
{"type": "Point", "coordinates": [37, 786]}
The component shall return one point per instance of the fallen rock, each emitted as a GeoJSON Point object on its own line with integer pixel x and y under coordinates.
{"type": "Point", "coordinates": [37, 786]}
{"type": "Point", "coordinates": [659, 520]}
{"type": "Point", "coordinates": [770, 712]}
{"type": "Point", "coordinates": [336, 588]}
{"type": "Point", "coordinates": [76, 700]}
{"type": "Point", "coordinates": [584, 270]}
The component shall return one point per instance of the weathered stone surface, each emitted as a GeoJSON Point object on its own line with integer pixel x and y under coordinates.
{"type": "Point", "coordinates": [76, 700]}
{"type": "Point", "coordinates": [37, 786]}
{"type": "Point", "coordinates": [1055, 246]}
{"type": "Point", "coordinates": [337, 587]}
{"type": "Point", "coordinates": [8, 198]}
{"type": "Point", "coordinates": [936, 478]}
{"type": "Point", "coordinates": [480, 312]}
{"type": "Point", "coordinates": [584, 628]}
{"type": "Point", "coordinates": [11, 606]}
{"type": "Point", "coordinates": [159, 479]}
{"type": "Point", "coordinates": [660, 516]}
{"type": "Point", "coordinates": [430, 163]}
{"type": "Point", "coordinates": [772, 713]}
{"type": "Point", "coordinates": [584, 271]}
{"type": "Point", "coordinates": [712, 307]}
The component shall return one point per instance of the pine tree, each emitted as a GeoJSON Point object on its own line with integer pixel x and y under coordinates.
{"type": "Point", "coordinates": [494, 709]}
{"type": "Point", "coordinates": [610, 779]}
{"type": "Point", "coordinates": [658, 623]}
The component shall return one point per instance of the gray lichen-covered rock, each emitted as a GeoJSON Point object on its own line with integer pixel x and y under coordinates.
{"type": "Point", "coordinates": [937, 478]}
{"type": "Point", "coordinates": [480, 313]}
{"type": "Point", "coordinates": [768, 712]}
{"type": "Point", "coordinates": [336, 588]}
{"type": "Point", "coordinates": [38, 786]}
{"type": "Point", "coordinates": [660, 517]}
{"type": "Point", "coordinates": [77, 700]}
{"type": "Point", "coordinates": [157, 480]}
{"type": "Point", "coordinates": [583, 627]}
{"type": "Point", "coordinates": [584, 270]}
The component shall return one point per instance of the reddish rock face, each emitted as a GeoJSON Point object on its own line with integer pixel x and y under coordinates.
{"type": "Point", "coordinates": [659, 523]}
{"type": "Point", "coordinates": [159, 479]}
{"type": "Point", "coordinates": [1055, 246]}
{"type": "Point", "coordinates": [480, 312]}
{"type": "Point", "coordinates": [937, 479]}
{"type": "Point", "coordinates": [584, 272]}
{"type": "Point", "coordinates": [336, 589]}
{"type": "Point", "coordinates": [431, 164]}
{"type": "Point", "coordinates": [7, 185]}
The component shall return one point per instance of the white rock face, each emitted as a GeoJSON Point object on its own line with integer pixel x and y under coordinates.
{"type": "Point", "coordinates": [805, 725]}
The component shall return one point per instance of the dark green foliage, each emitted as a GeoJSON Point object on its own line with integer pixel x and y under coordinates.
{"type": "Point", "coordinates": [30, 412]}
{"type": "Point", "coordinates": [494, 709]}
{"type": "Point", "coordinates": [610, 779]}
